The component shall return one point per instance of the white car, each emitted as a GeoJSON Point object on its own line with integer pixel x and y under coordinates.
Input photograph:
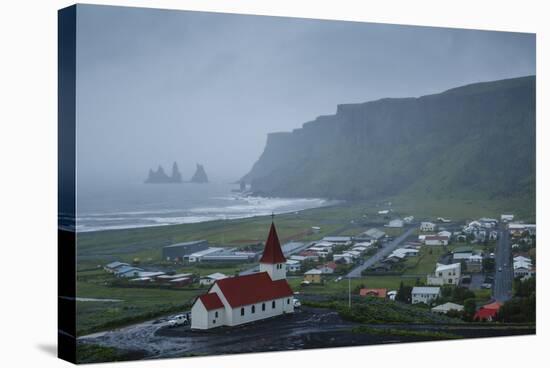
{"type": "Point", "coordinates": [296, 303]}
{"type": "Point", "coordinates": [179, 320]}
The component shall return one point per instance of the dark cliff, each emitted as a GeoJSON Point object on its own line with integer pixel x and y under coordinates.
{"type": "Point", "coordinates": [472, 141]}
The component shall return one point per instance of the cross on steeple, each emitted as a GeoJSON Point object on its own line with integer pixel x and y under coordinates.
{"type": "Point", "coordinates": [272, 216]}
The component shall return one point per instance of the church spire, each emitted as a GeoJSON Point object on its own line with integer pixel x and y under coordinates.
{"type": "Point", "coordinates": [272, 252]}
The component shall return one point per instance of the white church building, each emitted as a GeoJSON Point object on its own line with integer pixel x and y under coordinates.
{"type": "Point", "coordinates": [242, 299]}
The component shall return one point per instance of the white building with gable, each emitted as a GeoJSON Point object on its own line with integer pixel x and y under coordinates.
{"type": "Point", "coordinates": [242, 299]}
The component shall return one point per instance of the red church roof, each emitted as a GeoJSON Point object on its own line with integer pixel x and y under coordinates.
{"type": "Point", "coordinates": [254, 288]}
{"type": "Point", "coordinates": [272, 252]}
{"type": "Point", "coordinates": [211, 301]}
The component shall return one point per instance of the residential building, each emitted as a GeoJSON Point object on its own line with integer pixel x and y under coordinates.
{"type": "Point", "coordinates": [337, 239]}
{"type": "Point", "coordinates": [197, 256]}
{"type": "Point", "coordinates": [128, 271]}
{"type": "Point", "coordinates": [436, 240]}
{"type": "Point", "coordinates": [395, 223]}
{"type": "Point", "coordinates": [313, 276]}
{"type": "Point", "coordinates": [427, 226]}
{"type": "Point", "coordinates": [242, 299]}
{"type": "Point", "coordinates": [506, 217]}
{"type": "Point", "coordinates": [212, 278]}
{"type": "Point", "coordinates": [343, 258]}
{"type": "Point", "coordinates": [447, 307]}
{"type": "Point", "coordinates": [371, 234]}
{"type": "Point", "coordinates": [114, 266]}
{"type": "Point", "coordinates": [474, 263]}
{"type": "Point", "coordinates": [377, 293]}
{"type": "Point", "coordinates": [328, 268]}
{"type": "Point", "coordinates": [181, 251]}
{"type": "Point", "coordinates": [424, 294]}
{"type": "Point", "coordinates": [487, 312]}
{"type": "Point", "coordinates": [445, 275]}
{"type": "Point", "coordinates": [293, 265]}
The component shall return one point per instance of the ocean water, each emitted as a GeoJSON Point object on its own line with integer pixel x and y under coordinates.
{"type": "Point", "coordinates": [143, 205]}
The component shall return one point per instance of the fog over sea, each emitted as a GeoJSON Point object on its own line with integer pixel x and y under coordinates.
{"type": "Point", "coordinates": [144, 205]}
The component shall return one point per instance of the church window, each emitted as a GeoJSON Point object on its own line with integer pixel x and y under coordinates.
{"type": "Point", "coordinates": [273, 304]}
{"type": "Point", "coordinates": [253, 309]}
{"type": "Point", "coordinates": [242, 311]}
{"type": "Point", "coordinates": [263, 306]}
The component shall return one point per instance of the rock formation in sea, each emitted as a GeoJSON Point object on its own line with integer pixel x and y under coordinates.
{"type": "Point", "coordinates": [160, 177]}
{"type": "Point", "coordinates": [200, 175]}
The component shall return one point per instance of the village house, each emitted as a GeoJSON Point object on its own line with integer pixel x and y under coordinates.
{"type": "Point", "coordinates": [198, 256]}
{"type": "Point", "coordinates": [408, 219]}
{"type": "Point", "coordinates": [242, 299]}
{"type": "Point", "coordinates": [445, 275]}
{"type": "Point", "coordinates": [506, 217]}
{"type": "Point", "coordinates": [474, 263]}
{"type": "Point", "coordinates": [377, 293]}
{"type": "Point", "coordinates": [488, 312]}
{"type": "Point", "coordinates": [371, 235]}
{"type": "Point", "coordinates": [424, 294]}
{"type": "Point", "coordinates": [293, 265]}
{"type": "Point", "coordinates": [462, 253]}
{"type": "Point", "coordinates": [396, 223]}
{"type": "Point", "coordinates": [436, 240]}
{"type": "Point", "coordinates": [313, 276]}
{"type": "Point", "coordinates": [114, 266]}
{"type": "Point", "coordinates": [337, 239]}
{"type": "Point", "coordinates": [128, 271]}
{"type": "Point", "coordinates": [427, 226]}
{"type": "Point", "coordinates": [327, 268]}
{"type": "Point", "coordinates": [212, 278]}
{"type": "Point", "coordinates": [447, 307]}
{"type": "Point", "coordinates": [343, 258]}
{"type": "Point", "coordinates": [446, 233]}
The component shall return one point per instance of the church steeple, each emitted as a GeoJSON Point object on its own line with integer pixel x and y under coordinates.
{"type": "Point", "coordinates": [273, 261]}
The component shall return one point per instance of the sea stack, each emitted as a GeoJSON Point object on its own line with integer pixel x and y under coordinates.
{"type": "Point", "coordinates": [160, 177]}
{"type": "Point", "coordinates": [200, 175]}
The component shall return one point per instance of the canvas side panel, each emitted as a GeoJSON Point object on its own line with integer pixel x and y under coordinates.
{"type": "Point", "coordinates": [66, 252]}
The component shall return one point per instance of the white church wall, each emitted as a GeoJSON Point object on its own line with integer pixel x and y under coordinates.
{"type": "Point", "coordinates": [248, 316]}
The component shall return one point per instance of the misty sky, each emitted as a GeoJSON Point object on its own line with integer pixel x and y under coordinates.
{"type": "Point", "coordinates": [154, 86]}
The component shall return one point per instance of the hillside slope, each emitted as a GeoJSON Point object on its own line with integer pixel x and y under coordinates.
{"type": "Point", "coordinates": [472, 141]}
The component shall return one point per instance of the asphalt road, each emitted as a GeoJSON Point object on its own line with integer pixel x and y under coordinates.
{"type": "Point", "coordinates": [385, 251]}
{"type": "Point", "coordinates": [502, 287]}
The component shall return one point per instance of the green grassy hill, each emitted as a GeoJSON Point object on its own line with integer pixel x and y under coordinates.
{"type": "Point", "coordinates": [476, 141]}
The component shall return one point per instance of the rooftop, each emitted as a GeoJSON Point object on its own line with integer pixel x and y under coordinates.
{"type": "Point", "coordinates": [425, 290]}
{"type": "Point", "coordinates": [186, 243]}
{"type": "Point", "coordinates": [253, 288]}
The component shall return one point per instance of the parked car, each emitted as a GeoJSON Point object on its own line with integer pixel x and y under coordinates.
{"type": "Point", "coordinates": [486, 285]}
{"type": "Point", "coordinates": [179, 320]}
{"type": "Point", "coordinates": [500, 269]}
{"type": "Point", "coordinates": [296, 303]}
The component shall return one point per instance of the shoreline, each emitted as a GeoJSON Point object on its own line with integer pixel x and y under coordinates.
{"type": "Point", "coordinates": [212, 218]}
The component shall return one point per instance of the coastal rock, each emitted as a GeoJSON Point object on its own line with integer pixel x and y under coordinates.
{"type": "Point", "coordinates": [200, 175]}
{"type": "Point", "coordinates": [160, 177]}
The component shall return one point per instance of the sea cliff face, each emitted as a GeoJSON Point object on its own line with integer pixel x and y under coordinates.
{"type": "Point", "coordinates": [473, 141]}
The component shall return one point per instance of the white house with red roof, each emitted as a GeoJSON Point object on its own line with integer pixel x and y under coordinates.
{"type": "Point", "coordinates": [242, 299]}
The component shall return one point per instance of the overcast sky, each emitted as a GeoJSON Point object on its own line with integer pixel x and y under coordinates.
{"type": "Point", "coordinates": [157, 86]}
